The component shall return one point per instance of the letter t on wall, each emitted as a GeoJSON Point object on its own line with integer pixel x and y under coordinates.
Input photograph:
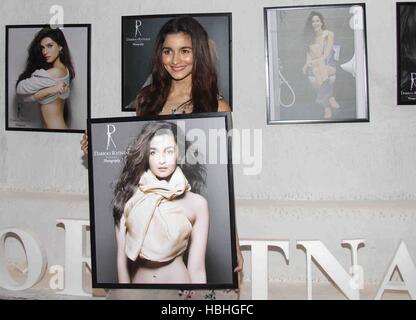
{"type": "Point", "coordinates": [259, 264]}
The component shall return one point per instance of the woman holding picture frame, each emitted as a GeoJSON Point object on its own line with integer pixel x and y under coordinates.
{"type": "Point", "coordinates": [47, 76]}
{"type": "Point", "coordinates": [183, 80]}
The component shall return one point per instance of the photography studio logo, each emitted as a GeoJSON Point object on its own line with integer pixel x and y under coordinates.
{"type": "Point", "coordinates": [412, 81]}
{"type": "Point", "coordinates": [111, 155]}
{"type": "Point", "coordinates": [111, 129]}
{"type": "Point", "coordinates": [410, 85]}
{"type": "Point", "coordinates": [138, 25]}
{"type": "Point", "coordinates": [138, 38]}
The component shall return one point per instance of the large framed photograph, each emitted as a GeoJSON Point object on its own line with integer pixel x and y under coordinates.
{"type": "Point", "coordinates": [47, 77]}
{"type": "Point", "coordinates": [139, 35]}
{"type": "Point", "coordinates": [316, 64]}
{"type": "Point", "coordinates": [406, 53]}
{"type": "Point", "coordinates": [162, 202]}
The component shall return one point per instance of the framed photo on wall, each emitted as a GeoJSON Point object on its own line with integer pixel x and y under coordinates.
{"type": "Point", "coordinates": [162, 202]}
{"type": "Point", "coordinates": [406, 53]}
{"type": "Point", "coordinates": [47, 77]}
{"type": "Point", "coordinates": [139, 34]}
{"type": "Point", "coordinates": [316, 64]}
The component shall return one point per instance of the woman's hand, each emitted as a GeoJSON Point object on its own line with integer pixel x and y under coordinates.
{"type": "Point", "coordinates": [121, 232]}
{"type": "Point", "coordinates": [239, 268]}
{"type": "Point", "coordinates": [240, 264]}
{"type": "Point", "coordinates": [240, 260]}
{"type": "Point", "coordinates": [84, 143]}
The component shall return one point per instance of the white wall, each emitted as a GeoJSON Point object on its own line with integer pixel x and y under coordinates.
{"type": "Point", "coordinates": [304, 161]}
{"type": "Point", "coordinates": [360, 163]}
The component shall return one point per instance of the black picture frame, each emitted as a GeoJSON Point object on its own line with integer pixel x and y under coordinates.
{"type": "Point", "coordinates": [137, 47]}
{"type": "Point", "coordinates": [406, 53]}
{"type": "Point", "coordinates": [26, 116]}
{"type": "Point", "coordinates": [105, 161]}
{"type": "Point", "coordinates": [300, 88]}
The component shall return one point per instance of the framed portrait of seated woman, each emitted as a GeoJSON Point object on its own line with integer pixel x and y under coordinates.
{"type": "Point", "coordinates": [144, 40]}
{"type": "Point", "coordinates": [162, 211]}
{"type": "Point", "coordinates": [47, 77]}
{"type": "Point", "coordinates": [316, 64]}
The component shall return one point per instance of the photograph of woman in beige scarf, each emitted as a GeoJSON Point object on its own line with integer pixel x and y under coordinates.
{"type": "Point", "coordinates": [161, 220]}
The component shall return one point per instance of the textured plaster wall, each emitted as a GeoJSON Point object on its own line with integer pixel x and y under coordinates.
{"type": "Point", "coordinates": [360, 163]}
{"type": "Point", "coordinates": [303, 161]}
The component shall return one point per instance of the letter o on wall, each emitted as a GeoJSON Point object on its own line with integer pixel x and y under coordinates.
{"type": "Point", "coordinates": [35, 255]}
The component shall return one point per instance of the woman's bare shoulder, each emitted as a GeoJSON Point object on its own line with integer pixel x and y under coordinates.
{"type": "Point", "coordinates": [57, 72]}
{"type": "Point", "coordinates": [196, 201]}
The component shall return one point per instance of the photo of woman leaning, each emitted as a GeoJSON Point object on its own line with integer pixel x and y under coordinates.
{"type": "Point", "coordinates": [47, 76]}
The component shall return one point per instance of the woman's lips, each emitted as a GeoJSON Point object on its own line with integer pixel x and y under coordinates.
{"type": "Point", "coordinates": [177, 68]}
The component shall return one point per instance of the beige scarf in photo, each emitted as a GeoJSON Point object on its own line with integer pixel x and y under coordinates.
{"type": "Point", "coordinates": [157, 228]}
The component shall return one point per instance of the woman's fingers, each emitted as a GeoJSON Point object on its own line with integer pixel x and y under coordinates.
{"type": "Point", "coordinates": [62, 88]}
{"type": "Point", "coordinates": [239, 268]}
{"type": "Point", "coordinates": [240, 262]}
{"type": "Point", "coordinates": [123, 220]}
{"type": "Point", "coordinates": [84, 143]}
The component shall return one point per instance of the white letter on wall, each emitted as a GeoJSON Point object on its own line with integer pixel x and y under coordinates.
{"type": "Point", "coordinates": [56, 282]}
{"type": "Point", "coordinates": [74, 258]}
{"type": "Point", "coordinates": [35, 256]}
{"type": "Point", "coordinates": [331, 266]}
{"type": "Point", "coordinates": [57, 20]}
{"type": "Point", "coordinates": [259, 264]}
{"type": "Point", "coordinates": [404, 264]}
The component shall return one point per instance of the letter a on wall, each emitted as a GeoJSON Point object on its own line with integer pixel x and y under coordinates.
{"type": "Point", "coordinates": [405, 266]}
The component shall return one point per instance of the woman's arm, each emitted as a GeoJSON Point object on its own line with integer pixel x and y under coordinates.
{"type": "Point", "coordinates": [330, 45]}
{"type": "Point", "coordinates": [58, 89]}
{"type": "Point", "coordinates": [122, 269]}
{"type": "Point", "coordinates": [199, 239]}
{"type": "Point", "coordinates": [84, 143]}
{"type": "Point", "coordinates": [307, 63]}
{"type": "Point", "coordinates": [42, 84]}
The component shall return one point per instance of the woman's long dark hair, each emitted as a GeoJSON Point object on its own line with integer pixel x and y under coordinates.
{"type": "Point", "coordinates": [204, 94]}
{"type": "Point", "coordinates": [137, 162]}
{"type": "Point", "coordinates": [35, 58]}
{"type": "Point", "coordinates": [308, 32]}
